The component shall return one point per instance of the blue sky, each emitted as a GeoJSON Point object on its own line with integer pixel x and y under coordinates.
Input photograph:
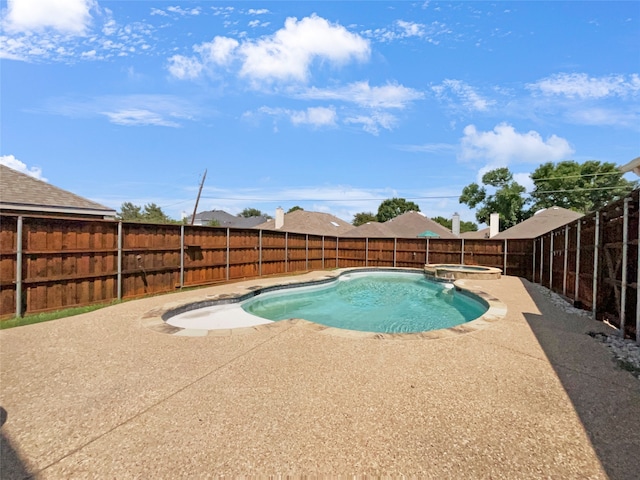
{"type": "Point", "coordinates": [331, 106]}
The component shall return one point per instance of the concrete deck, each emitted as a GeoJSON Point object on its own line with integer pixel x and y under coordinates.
{"type": "Point", "coordinates": [529, 396]}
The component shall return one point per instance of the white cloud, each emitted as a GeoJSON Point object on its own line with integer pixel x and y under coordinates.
{"type": "Point", "coordinates": [127, 110]}
{"type": "Point", "coordinates": [185, 68]}
{"type": "Point", "coordinates": [66, 16]}
{"type": "Point", "coordinates": [288, 54]}
{"type": "Point", "coordinates": [137, 117]}
{"type": "Point", "coordinates": [361, 93]}
{"type": "Point", "coordinates": [581, 85]}
{"type": "Point", "coordinates": [402, 29]}
{"type": "Point", "coordinates": [504, 146]}
{"type": "Point", "coordinates": [410, 29]}
{"type": "Point", "coordinates": [185, 11]}
{"type": "Point", "coordinates": [219, 51]}
{"type": "Point", "coordinates": [12, 162]}
{"type": "Point", "coordinates": [315, 116]}
{"type": "Point", "coordinates": [261, 11]}
{"type": "Point", "coordinates": [373, 122]}
{"type": "Point", "coordinates": [470, 99]}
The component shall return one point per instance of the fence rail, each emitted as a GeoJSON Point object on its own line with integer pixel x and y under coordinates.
{"type": "Point", "coordinates": [53, 263]}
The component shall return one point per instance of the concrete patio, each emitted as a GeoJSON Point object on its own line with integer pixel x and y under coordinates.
{"type": "Point", "coordinates": [529, 396]}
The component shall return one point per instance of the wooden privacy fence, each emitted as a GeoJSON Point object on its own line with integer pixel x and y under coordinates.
{"type": "Point", "coordinates": [53, 263]}
{"type": "Point", "coordinates": [595, 262]}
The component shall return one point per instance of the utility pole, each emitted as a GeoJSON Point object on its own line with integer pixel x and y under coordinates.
{"type": "Point", "coordinates": [195, 209]}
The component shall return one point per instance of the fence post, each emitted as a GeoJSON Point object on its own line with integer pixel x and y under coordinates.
{"type": "Point", "coordinates": [638, 281]}
{"type": "Point", "coordinates": [551, 262]}
{"type": "Point", "coordinates": [533, 271]}
{"type": "Point", "coordinates": [541, 258]}
{"type": "Point", "coordinates": [260, 253]}
{"type": "Point", "coordinates": [181, 256]}
{"type": "Point", "coordinates": [228, 241]}
{"type": "Point", "coordinates": [504, 262]}
{"type": "Point", "coordinates": [395, 245]}
{"type": "Point", "coordinates": [427, 251]}
{"type": "Point", "coordinates": [366, 252]}
{"type": "Point", "coordinates": [577, 281]}
{"type": "Point", "coordinates": [286, 252]}
{"type": "Point", "coordinates": [623, 293]}
{"type": "Point", "coordinates": [19, 312]}
{"type": "Point", "coordinates": [337, 256]}
{"type": "Point", "coordinates": [462, 255]}
{"type": "Point", "coordinates": [119, 277]}
{"type": "Point", "coordinates": [566, 260]}
{"type": "Point", "coordinates": [323, 252]}
{"type": "Point", "coordinates": [596, 250]}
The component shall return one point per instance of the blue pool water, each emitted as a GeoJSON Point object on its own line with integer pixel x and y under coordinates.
{"type": "Point", "coordinates": [386, 302]}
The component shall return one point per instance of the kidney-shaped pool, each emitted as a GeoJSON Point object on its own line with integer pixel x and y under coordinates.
{"type": "Point", "coordinates": [367, 300]}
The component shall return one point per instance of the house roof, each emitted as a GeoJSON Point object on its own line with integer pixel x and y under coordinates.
{"type": "Point", "coordinates": [225, 219]}
{"type": "Point", "coordinates": [483, 233]}
{"type": "Point", "coordinates": [542, 222]}
{"type": "Point", "coordinates": [24, 193]}
{"type": "Point", "coordinates": [371, 230]}
{"type": "Point", "coordinates": [407, 225]}
{"type": "Point", "coordinates": [313, 223]}
{"type": "Point", "coordinates": [632, 166]}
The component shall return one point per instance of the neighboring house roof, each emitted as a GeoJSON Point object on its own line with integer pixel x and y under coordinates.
{"type": "Point", "coordinates": [313, 223]}
{"type": "Point", "coordinates": [542, 222]}
{"type": "Point", "coordinates": [23, 193]}
{"type": "Point", "coordinates": [225, 219]}
{"type": "Point", "coordinates": [484, 233]}
{"type": "Point", "coordinates": [371, 230]}
{"type": "Point", "coordinates": [632, 166]}
{"type": "Point", "coordinates": [407, 225]}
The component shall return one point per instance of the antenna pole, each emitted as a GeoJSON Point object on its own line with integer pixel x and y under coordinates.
{"type": "Point", "coordinates": [195, 209]}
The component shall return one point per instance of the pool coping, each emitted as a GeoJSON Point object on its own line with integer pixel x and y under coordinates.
{"type": "Point", "coordinates": [155, 319]}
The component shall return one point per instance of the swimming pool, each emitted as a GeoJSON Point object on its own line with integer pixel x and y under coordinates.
{"type": "Point", "coordinates": [372, 301]}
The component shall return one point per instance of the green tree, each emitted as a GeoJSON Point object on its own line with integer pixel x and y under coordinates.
{"type": "Point", "coordinates": [392, 207]}
{"type": "Point", "coordinates": [584, 187]}
{"type": "Point", "coordinates": [464, 226]}
{"type": "Point", "coordinates": [362, 218]}
{"type": "Point", "coordinates": [151, 213]}
{"type": "Point", "coordinates": [251, 212]}
{"type": "Point", "coordinates": [130, 212]}
{"type": "Point", "coordinates": [507, 200]}
{"type": "Point", "coordinates": [293, 209]}
{"type": "Point", "coordinates": [213, 223]}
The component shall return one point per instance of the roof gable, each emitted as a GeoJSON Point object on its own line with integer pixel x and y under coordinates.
{"type": "Point", "coordinates": [412, 224]}
{"type": "Point", "coordinates": [313, 223]}
{"type": "Point", "coordinates": [22, 192]}
{"type": "Point", "coordinates": [541, 223]}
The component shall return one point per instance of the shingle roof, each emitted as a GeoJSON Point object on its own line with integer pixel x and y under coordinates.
{"type": "Point", "coordinates": [542, 222]}
{"type": "Point", "coordinates": [483, 233]}
{"type": "Point", "coordinates": [225, 219]}
{"type": "Point", "coordinates": [313, 223]}
{"type": "Point", "coordinates": [407, 225]}
{"type": "Point", "coordinates": [21, 192]}
{"type": "Point", "coordinates": [632, 166]}
{"type": "Point", "coordinates": [371, 230]}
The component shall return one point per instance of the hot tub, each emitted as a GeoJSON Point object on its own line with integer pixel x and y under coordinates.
{"type": "Point", "coordinates": [441, 271]}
